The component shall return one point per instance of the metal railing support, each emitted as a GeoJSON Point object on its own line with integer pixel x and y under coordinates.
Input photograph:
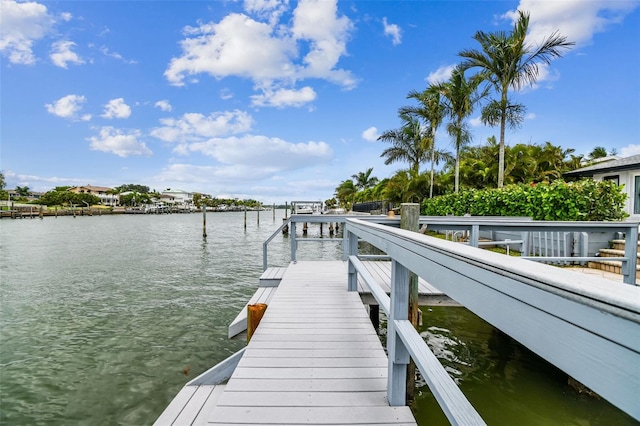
{"type": "Point", "coordinates": [294, 243]}
{"type": "Point", "coordinates": [397, 351]}
{"type": "Point", "coordinates": [631, 253]}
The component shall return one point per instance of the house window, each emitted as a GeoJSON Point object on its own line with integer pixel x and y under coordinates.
{"type": "Point", "coordinates": [636, 196]}
{"type": "Point", "coordinates": [614, 178]}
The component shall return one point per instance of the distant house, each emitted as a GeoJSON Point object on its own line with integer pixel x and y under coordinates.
{"type": "Point", "coordinates": [624, 171]}
{"type": "Point", "coordinates": [101, 192]}
{"type": "Point", "coordinates": [177, 197]}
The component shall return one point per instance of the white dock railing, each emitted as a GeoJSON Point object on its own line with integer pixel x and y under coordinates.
{"type": "Point", "coordinates": [549, 249]}
{"type": "Point", "coordinates": [587, 326]}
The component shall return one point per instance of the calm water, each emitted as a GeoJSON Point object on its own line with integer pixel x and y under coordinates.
{"type": "Point", "coordinates": [103, 319]}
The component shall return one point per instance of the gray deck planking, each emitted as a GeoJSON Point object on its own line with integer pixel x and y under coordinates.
{"type": "Point", "coordinates": [314, 359]}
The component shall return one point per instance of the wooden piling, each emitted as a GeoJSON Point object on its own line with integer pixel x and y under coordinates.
{"type": "Point", "coordinates": [410, 220]}
{"type": "Point", "coordinates": [254, 315]}
{"type": "Point", "coordinates": [245, 217]}
{"type": "Point", "coordinates": [204, 221]}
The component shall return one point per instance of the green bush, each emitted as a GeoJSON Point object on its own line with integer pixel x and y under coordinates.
{"type": "Point", "coordinates": [567, 201]}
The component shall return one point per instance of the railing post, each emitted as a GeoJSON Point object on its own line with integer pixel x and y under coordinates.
{"type": "Point", "coordinates": [474, 237]}
{"type": "Point", "coordinates": [294, 243]}
{"type": "Point", "coordinates": [397, 352]}
{"type": "Point", "coordinates": [524, 236]}
{"type": "Point", "coordinates": [352, 283]}
{"type": "Point", "coordinates": [410, 220]}
{"type": "Point", "coordinates": [631, 253]}
{"type": "Point", "coordinates": [346, 241]}
{"type": "Point", "coordinates": [264, 256]}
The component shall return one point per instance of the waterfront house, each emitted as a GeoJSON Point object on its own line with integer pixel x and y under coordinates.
{"type": "Point", "coordinates": [178, 198]}
{"type": "Point", "coordinates": [624, 171]}
{"type": "Point", "coordinates": [104, 193]}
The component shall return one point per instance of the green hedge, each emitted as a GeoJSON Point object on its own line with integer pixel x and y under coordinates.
{"type": "Point", "coordinates": [558, 200]}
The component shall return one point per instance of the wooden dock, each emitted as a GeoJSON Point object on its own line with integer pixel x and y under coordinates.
{"type": "Point", "coordinates": [314, 359]}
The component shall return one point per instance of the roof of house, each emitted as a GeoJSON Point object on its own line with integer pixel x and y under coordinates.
{"type": "Point", "coordinates": [613, 165]}
{"type": "Point", "coordinates": [92, 188]}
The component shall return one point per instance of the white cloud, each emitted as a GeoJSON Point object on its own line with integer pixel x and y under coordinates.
{"type": "Point", "coordinates": [21, 25]}
{"type": "Point", "coordinates": [271, 10]}
{"type": "Point", "coordinates": [105, 51]}
{"type": "Point", "coordinates": [317, 22]}
{"type": "Point", "coordinates": [257, 152]}
{"type": "Point", "coordinates": [476, 122]}
{"type": "Point", "coordinates": [237, 45]}
{"type": "Point", "coordinates": [164, 105]}
{"type": "Point", "coordinates": [62, 54]}
{"type": "Point", "coordinates": [284, 97]}
{"type": "Point", "coordinates": [629, 150]}
{"type": "Point", "coordinates": [371, 134]}
{"type": "Point", "coordinates": [440, 75]}
{"type": "Point", "coordinates": [578, 20]}
{"type": "Point", "coordinates": [197, 127]}
{"type": "Point", "coordinates": [117, 142]}
{"type": "Point", "coordinates": [268, 53]}
{"type": "Point", "coordinates": [226, 94]}
{"type": "Point", "coordinates": [68, 107]}
{"type": "Point", "coordinates": [392, 30]}
{"type": "Point", "coordinates": [116, 108]}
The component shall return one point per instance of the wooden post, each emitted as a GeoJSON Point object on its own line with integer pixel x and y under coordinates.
{"type": "Point", "coordinates": [409, 220]}
{"type": "Point", "coordinates": [274, 211]}
{"type": "Point", "coordinates": [254, 315]}
{"type": "Point", "coordinates": [41, 213]}
{"type": "Point", "coordinates": [204, 221]}
{"type": "Point", "coordinates": [245, 217]}
{"type": "Point", "coordinates": [330, 228]}
{"type": "Point", "coordinates": [258, 214]}
{"type": "Point", "coordinates": [286, 209]}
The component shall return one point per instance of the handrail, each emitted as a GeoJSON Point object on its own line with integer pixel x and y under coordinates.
{"type": "Point", "coordinates": [585, 325]}
{"type": "Point", "coordinates": [455, 405]}
{"type": "Point", "coordinates": [268, 240]}
{"type": "Point", "coordinates": [356, 266]}
{"type": "Point", "coordinates": [475, 224]}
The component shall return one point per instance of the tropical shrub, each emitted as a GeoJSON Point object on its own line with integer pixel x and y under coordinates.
{"type": "Point", "coordinates": [566, 201]}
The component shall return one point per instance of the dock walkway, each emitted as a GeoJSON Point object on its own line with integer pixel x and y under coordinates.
{"type": "Point", "coordinates": [314, 359]}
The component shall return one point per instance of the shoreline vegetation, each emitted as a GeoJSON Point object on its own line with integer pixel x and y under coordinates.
{"type": "Point", "coordinates": [33, 211]}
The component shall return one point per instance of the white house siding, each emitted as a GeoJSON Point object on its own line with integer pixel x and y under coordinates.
{"type": "Point", "coordinates": [628, 179]}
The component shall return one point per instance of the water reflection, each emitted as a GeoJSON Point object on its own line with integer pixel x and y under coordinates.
{"type": "Point", "coordinates": [507, 383]}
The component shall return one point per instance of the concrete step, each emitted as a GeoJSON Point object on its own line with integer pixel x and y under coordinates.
{"type": "Point", "coordinates": [604, 253]}
{"type": "Point", "coordinates": [620, 244]}
{"type": "Point", "coordinates": [613, 266]}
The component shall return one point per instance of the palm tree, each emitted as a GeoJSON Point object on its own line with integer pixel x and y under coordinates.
{"type": "Point", "coordinates": [459, 97]}
{"type": "Point", "coordinates": [364, 180]}
{"type": "Point", "coordinates": [505, 61]}
{"type": "Point", "coordinates": [598, 152]}
{"type": "Point", "coordinates": [407, 143]}
{"type": "Point", "coordinates": [431, 110]}
{"type": "Point", "coordinates": [345, 193]}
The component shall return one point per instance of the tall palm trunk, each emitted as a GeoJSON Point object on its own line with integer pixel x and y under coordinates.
{"type": "Point", "coordinates": [503, 123]}
{"type": "Point", "coordinates": [433, 160]}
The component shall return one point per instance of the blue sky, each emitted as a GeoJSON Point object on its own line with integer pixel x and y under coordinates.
{"type": "Point", "coordinates": [280, 100]}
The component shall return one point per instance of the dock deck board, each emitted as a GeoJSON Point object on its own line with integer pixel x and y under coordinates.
{"type": "Point", "coordinates": [314, 359]}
